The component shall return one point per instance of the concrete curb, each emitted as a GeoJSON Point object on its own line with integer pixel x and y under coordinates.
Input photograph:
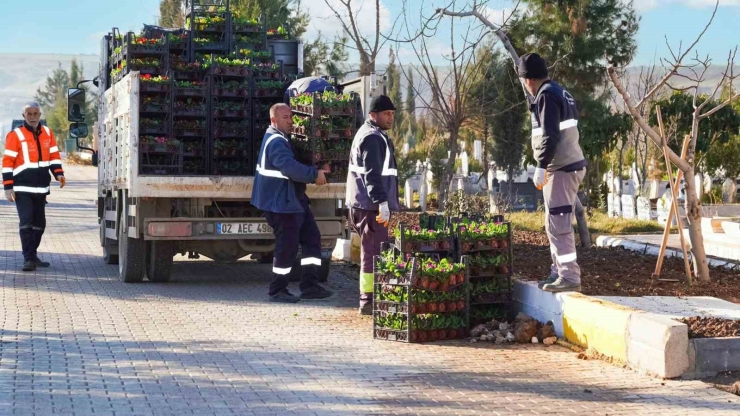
{"type": "Point", "coordinates": [647, 342]}
{"type": "Point", "coordinates": [605, 241]}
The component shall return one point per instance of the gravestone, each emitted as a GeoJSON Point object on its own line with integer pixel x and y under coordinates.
{"type": "Point", "coordinates": [729, 191]}
{"type": "Point", "coordinates": [643, 209]}
{"type": "Point", "coordinates": [417, 183]}
{"type": "Point", "coordinates": [628, 207]}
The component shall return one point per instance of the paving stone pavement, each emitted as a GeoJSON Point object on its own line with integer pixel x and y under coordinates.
{"type": "Point", "coordinates": [75, 340]}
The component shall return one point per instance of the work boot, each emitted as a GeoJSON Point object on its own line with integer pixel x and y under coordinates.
{"type": "Point", "coordinates": [284, 296]}
{"type": "Point", "coordinates": [316, 292]}
{"type": "Point", "coordinates": [366, 304]}
{"type": "Point", "coordinates": [40, 263]}
{"type": "Point", "coordinates": [29, 266]}
{"type": "Point", "coordinates": [561, 285]}
{"type": "Point", "coordinates": [547, 281]}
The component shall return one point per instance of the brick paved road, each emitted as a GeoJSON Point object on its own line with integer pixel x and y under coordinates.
{"type": "Point", "coordinates": [76, 341]}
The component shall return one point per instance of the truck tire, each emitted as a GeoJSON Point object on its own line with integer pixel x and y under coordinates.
{"type": "Point", "coordinates": [295, 271]}
{"type": "Point", "coordinates": [132, 257]}
{"type": "Point", "coordinates": [159, 261]}
{"type": "Point", "coordinates": [110, 248]}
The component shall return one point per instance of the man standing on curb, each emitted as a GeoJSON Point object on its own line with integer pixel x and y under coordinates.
{"type": "Point", "coordinates": [560, 168]}
{"type": "Point", "coordinates": [31, 155]}
{"type": "Point", "coordinates": [372, 190]}
{"type": "Point", "coordinates": [280, 191]}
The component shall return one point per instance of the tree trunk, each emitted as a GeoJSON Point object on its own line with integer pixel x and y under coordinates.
{"type": "Point", "coordinates": [444, 184]}
{"type": "Point", "coordinates": [582, 225]}
{"type": "Point", "coordinates": [619, 175]}
{"type": "Point", "coordinates": [367, 66]}
{"type": "Point", "coordinates": [693, 208]}
{"type": "Point", "coordinates": [693, 214]}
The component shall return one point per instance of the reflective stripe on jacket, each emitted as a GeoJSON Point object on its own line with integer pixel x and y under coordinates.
{"type": "Point", "coordinates": [279, 182]}
{"type": "Point", "coordinates": [555, 129]}
{"type": "Point", "coordinates": [373, 175]}
{"type": "Point", "coordinates": [28, 159]}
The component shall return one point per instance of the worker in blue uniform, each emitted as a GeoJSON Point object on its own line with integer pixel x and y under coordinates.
{"type": "Point", "coordinates": [280, 191]}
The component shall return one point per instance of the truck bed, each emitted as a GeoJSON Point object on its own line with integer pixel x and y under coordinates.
{"type": "Point", "coordinates": [119, 158]}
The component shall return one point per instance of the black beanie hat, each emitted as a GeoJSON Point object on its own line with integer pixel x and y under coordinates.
{"type": "Point", "coordinates": [381, 103]}
{"type": "Point", "coordinates": [532, 66]}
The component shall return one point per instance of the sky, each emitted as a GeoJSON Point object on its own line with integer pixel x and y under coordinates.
{"type": "Point", "coordinates": [76, 26]}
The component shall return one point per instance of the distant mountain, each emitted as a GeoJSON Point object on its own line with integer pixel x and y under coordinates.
{"type": "Point", "coordinates": [22, 74]}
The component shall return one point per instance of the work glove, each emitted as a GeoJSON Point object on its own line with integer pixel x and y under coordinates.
{"type": "Point", "coordinates": [540, 178]}
{"type": "Point", "coordinates": [10, 195]}
{"type": "Point", "coordinates": [62, 181]}
{"type": "Point", "coordinates": [385, 214]}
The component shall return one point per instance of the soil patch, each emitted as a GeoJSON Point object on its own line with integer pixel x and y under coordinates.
{"type": "Point", "coordinates": [619, 272]}
{"type": "Point", "coordinates": [708, 327]}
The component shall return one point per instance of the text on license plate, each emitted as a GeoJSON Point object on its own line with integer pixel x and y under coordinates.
{"type": "Point", "coordinates": [243, 228]}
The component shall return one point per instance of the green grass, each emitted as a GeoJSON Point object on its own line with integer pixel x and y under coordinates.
{"type": "Point", "coordinates": [599, 223]}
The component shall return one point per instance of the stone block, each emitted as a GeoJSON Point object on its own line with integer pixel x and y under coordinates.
{"type": "Point", "coordinates": [657, 345]}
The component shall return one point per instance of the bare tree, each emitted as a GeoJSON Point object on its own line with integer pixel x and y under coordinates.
{"type": "Point", "coordinates": [498, 30]}
{"type": "Point", "coordinates": [695, 72]}
{"type": "Point", "coordinates": [646, 81]}
{"type": "Point", "coordinates": [366, 46]}
{"type": "Point", "coordinates": [449, 100]}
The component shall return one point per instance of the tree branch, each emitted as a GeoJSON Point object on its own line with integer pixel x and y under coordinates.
{"type": "Point", "coordinates": [630, 104]}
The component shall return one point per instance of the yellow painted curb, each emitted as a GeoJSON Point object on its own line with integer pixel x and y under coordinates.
{"type": "Point", "coordinates": [597, 324]}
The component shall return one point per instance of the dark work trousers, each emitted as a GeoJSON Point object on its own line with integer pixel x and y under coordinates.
{"type": "Point", "coordinates": [32, 219]}
{"type": "Point", "coordinates": [372, 236]}
{"type": "Point", "coordinates": [560, 196]}
{"type": "Point", "coordinates": [291, 230]}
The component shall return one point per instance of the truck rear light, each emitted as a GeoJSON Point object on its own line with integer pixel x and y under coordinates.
{"type": "Point", "coordinates": [170, 229]}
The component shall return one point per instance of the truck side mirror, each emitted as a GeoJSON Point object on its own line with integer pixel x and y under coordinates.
{"type": "Point", "coordinates": [76, 105]}
{"type": "Point", "coordinates": [78, 130]}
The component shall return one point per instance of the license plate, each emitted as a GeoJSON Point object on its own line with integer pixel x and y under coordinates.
{"type": "Point", "coordinates": [243, 228]}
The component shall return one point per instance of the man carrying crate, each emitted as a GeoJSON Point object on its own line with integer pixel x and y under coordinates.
{"type": "Point", "coordinates": [372, 190]}
{"type": "Point", "coordinates": [280, 191]}
{"type": "Point", "coordinates": [560, 168]}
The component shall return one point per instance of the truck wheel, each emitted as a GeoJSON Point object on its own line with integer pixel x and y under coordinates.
{"type": "Point", "coordinates": [110, 248]}
{"type": "Point", "coordinates": [159, 261]}
{"type": "Point", "coordinates": [295, 271]}
{"type": "Point", "coordinates": [132, 252]}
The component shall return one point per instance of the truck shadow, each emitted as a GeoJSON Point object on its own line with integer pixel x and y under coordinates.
{"type": "Point", "coordinates": [238, 283]}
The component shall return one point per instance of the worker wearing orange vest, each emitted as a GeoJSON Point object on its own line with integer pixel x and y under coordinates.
{"type": "Point", "coordinates": [31, 154]}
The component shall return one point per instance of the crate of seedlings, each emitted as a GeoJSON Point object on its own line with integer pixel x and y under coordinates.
{"type": "Point", "coordinates": [416, 239]}
{"type": "Point", "coordinates": [229, 66]}
{"type": "Point", "coordinates": [244, 25]}
{"type": "Point", "coordinates": [419, 299]}
{"type": "Point", "coordinates": [267, 71]}
{"type": "Point", "coordinates": [231, 116]}
{"type": "Point", "coordinates": [154, 84]}
{"type": "Point", "coordinates": [323, 129]}
{"type": "Point", "coordinates": [178, 42]}
{"type": "Point", "coordinates": [487, 246]}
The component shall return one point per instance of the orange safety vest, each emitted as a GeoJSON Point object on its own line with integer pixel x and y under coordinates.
{"type": "Point", "coordinates": [29, 158]}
